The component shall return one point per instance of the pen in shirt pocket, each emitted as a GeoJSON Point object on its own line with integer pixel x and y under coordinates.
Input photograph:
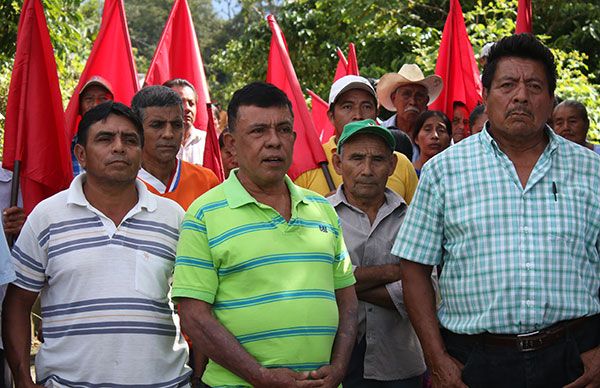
{"type": "Point", "coordinates": [555, 191]}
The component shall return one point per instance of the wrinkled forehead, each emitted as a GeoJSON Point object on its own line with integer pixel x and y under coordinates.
{"type": "Point", "coordinates": [412, 87]}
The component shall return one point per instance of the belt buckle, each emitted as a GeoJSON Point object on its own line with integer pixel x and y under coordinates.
{"type": "Point", "coordinates": [527, 344]}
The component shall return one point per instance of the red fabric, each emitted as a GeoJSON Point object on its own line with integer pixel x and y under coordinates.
{"type": "Point", "coordinates": [111, 58]}
{"type": "Point", "coordinates": [319, 115]}
{"type": "Point", "coordinates": [456, 65]}
{"type": "Point", "coordinates": [34, 130]}
{"type": "Point", "coordinates": [177, 55]}
{"type": "Point", "coordinates": [212, 152]}
{"type": "Point", "coordinates": [524, 17]}
{"type": "Point", "coordinates": [342, 66]}
{"type": "Point", "coordinates": [308, 151]}
{"type": "Point", "coordinates": [346, 67]}
{"type": "Point", "coordinates": [352, 68]}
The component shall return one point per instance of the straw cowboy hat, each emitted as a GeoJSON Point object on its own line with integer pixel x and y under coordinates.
{"type": "Point", "coordinates": [408, 74]}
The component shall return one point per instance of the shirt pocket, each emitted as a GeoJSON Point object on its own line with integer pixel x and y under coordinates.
{"type": "Point", "coordinates": [152, 276]}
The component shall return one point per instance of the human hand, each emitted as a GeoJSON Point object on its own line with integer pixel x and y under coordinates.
{"type": "Point", "coordinates": [285, 378]}
{"type": "Point", "coordinates": [330, 376]}
{"type": "Point", "coordinates": [591, 370]}
{"type": "Point", "coordinates": [13, 218]}
{"type": "Point", "coordinates": [446, 372]}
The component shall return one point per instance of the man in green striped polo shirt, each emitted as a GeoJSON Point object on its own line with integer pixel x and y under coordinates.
{"type": "Point", "coordinates": [262, 276]}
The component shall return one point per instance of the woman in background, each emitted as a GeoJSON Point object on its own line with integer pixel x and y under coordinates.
{"type": "Point", "coordinates": [432, 133]}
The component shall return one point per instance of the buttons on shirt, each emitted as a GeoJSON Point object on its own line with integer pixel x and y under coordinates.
{"type": "Point", "coordinates": [525, 229]}
{"type": "Point", "coordinates": [528, 266]}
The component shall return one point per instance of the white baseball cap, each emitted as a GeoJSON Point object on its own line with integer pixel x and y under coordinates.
{"type": "Point", "coordinates": [350, 82]}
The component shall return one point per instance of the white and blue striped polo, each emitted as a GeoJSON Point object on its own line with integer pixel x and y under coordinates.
{"type": "Point", "coordinates": [107, 319]}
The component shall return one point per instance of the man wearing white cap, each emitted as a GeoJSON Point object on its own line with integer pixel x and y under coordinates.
{"type": "Point", "coordinates": [352, 98]}
{"type": "Point", "coordinates": [407, 92]}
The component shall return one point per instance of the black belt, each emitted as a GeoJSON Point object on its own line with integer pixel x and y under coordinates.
{"type": "Point", "coordinates": [537, 339]}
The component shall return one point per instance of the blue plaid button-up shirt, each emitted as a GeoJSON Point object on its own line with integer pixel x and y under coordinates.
{"type": "Point", "coordinates": [514, 259]}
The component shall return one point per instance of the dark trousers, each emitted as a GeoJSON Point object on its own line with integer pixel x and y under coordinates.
{"type": "Point", "coordinates": [492, 366]}
{"type": "Point", "coordinates": [356, 369]}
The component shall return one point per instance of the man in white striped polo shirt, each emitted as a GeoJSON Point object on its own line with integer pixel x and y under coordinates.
{"type": "Point", "coordinates": [101, 255]}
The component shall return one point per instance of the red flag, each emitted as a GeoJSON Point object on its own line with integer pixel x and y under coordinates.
{"type": "Point", "coordinates": [352, 68]}
{"type": "Point", "coordinates": [111, 58]}
{"type": "Point", "coordinates": [342, 66]}
{"type": "Point", "coordinates": [319, 115]}
{"type": "Point", "coordinates": [178, 56]}
{"type": "Point", "coordinates": [456, 65]}
{"type": "Point", "coordinates": [34, 132]}
{"type": "Point", "coordinates": [212, 152]}
{"type": "Point", "coordinates": [524, 17]}
{"type": "Point", "coordinates": [308, 152]}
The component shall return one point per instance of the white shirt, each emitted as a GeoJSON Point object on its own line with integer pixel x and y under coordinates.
{"type": "Point", "coordinates": [104, 290]}
{"type": "Point", "coordinates": [192, 149]}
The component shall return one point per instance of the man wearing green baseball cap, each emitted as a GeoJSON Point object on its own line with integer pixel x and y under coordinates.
{"type": "Point", "coordinates": [387, 352]}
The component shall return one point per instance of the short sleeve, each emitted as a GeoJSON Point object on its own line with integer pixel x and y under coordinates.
{"type": "Point", "coordinates": [313, 180]}
{"type": "Point", "coordinates": [7, 271]}
{"type": "Point", "coordinates": [421, 235]}
{"type": "Point", "coordinates": [195, 275]}
{"type": "Point", "coordinates": [30, 258]}
{"type": "Point", "coordinates": [343, 272]}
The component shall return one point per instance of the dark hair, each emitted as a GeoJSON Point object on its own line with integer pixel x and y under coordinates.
{"type": "Point", "coordinates": [457, 104]}
{"type": "Point", "coordinates": [475, 113]}
{"type": "Point", "coordinates": [420, 121]}
{"type": "Point", "coordinates": [579, 107]}
{"type": "Point", "coordinates": [100, 113]}
{"type": "Point", "coordinates": [160, 96]}
{"type": "Point", "coordinates": [181, 83]}
{"type": "Point", "coordinates": [524, 46]}
{"type": "Point", "coordinates": [259, 94]}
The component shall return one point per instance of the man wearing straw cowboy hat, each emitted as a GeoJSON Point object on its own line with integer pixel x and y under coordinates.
{"type": "Point", "coordinates": [407, 92]}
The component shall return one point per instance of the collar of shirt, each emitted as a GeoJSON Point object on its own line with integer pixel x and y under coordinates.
{"type": "Point", "coordinates": [392, 202]}
{"type": "Point", "coordinates": [237, 196]}
{"type": "Point", "coordinates": [196, 136]}
{"type": "Point", "coordinates": [157, 183]}
{"type": "Point", "coordinates": [490, 143]}
{"type": "Point", "coordinates": [77, 197]}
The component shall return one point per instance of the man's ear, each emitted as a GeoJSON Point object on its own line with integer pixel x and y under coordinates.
{"type": "Point", "coordinates": [394, 162]}
{"type": "Point", "coordinates": [485, 96]}
{"type": "Point", "coordinates": [330, 115]}
{"type": "Point", "coordinates": [229, 142]}
{"type": "Point", "coordinates": [80, 154]}
{"type": "Point", "coordinates": [337, 163]}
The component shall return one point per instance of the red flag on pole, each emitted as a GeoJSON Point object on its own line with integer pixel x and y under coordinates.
{"type": "Point", "coordinates": [342, 65]}
{"type": "Point", "coordinates": [111, 58]}
{"type": "Point", "coordinates": [319, 115]}
{"type": "Point", "coordinates": [308, 152]}
{"type": "Point", "coordinates": [352, 68]}
{"type": "Point", "coordinates": [177, 55]}
{"type": "Point", "coordinates": [212, 152]}
{"type": "Point", "coordinates": [34, 135]}
{"type": "Point", "coordinates": [456, 65]}
{"type": "Point", "coordinates": [524, 17]}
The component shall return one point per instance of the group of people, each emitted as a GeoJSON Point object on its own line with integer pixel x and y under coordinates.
{"type": "Point", "coordinates": [484, 274]}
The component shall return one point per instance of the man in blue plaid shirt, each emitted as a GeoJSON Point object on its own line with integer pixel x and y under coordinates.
{"type": "Point", "coordinates": [512, 217]}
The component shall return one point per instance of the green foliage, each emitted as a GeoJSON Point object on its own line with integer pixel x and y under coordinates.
{"type": "Point", "coordinates": [390, 33]}
{"type": "Point", "coordinates": [146, 20]}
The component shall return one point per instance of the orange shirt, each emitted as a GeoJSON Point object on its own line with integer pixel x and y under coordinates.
{"type": "Point", "coordinates": [188, 182]}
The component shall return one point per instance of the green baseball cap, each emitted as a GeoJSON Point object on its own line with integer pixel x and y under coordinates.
{"type": "Point", "coordinates": [366, 126]}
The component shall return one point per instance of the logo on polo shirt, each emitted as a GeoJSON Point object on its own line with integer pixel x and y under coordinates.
{"type": "Point", "coordinates": [323, 228]}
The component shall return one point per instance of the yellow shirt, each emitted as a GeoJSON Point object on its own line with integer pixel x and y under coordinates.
{"type": "Point", "coordinates": [403, 181]}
